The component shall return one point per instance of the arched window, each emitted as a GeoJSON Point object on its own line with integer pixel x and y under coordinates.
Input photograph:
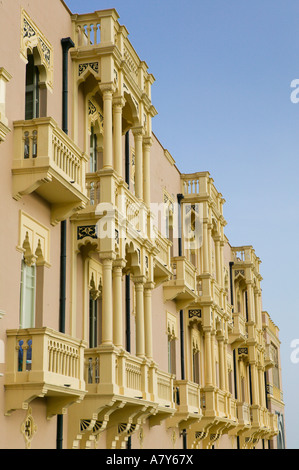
{"type": "Point", "coordinates": [28, 290]}
{"type": "Point", "coordinates": [32, 89]}
{"type": "Point", "coordinates": [95, 312]}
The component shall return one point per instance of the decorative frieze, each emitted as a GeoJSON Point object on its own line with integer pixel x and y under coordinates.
{"type": "Point", "coordinates": [243, 353]}
{"type": "Point", "coordinates": [91, 65]}
{"type": "Point", "coordinates": [84, 231]}
{"type": "Point", "coordinates": [95, 114]}
{"type": "Point", "coordinates": [194, 313]}
{"type": "Point", "coordinates": [239, 272]}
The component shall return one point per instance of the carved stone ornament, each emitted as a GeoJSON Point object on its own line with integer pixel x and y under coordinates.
{"type": "Point", "coordinates": [95, 291]}
{"type": "Point", "coordinates": [239, 272]}
{"type": "Point", "coordinates": [84, 231]}
{"type": "Point", "coordinates": [195, 313]}
{"type": "Point", "coordinates": [95, 114]}
{"type": "Point", "coordinates": [141, 437]}
{"type": "Point", "coordinates": [28, 428]}
{"type": "Point", "coordinates": [243, 352]}
{"type": "Point", "coordinates": [91, 65]}
{"type": "Point", "coordinates": [32, 37]}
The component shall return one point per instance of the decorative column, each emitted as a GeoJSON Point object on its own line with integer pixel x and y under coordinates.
{"type": "Point", "coordinates": [107, 333]}
{"type": "Point", "coordinates": [250, 300]}
{"type": "Point", "coordinates": [205, 248]}
{"type": "Point", "coordinates": [213, 358]}
{"type": "Point", "coordinates": [138, 136]}
{"type": "Point", "coordinates": [107, 91]}
{"type": "Point", "coordinates": [226, 387]}
{"type": "Point", "coordinates": [148, 320]}
{"type": "Point", "coordinates": [118, 104]}
{"type": "Point", "coordinates": [254, 383]}
{"type": "Point", "coordinates": [140, 343]}
{"type": "Point", "coordinates": [208, 356]}
{"type": "Point", "coordinates": [258, 310]}
{"type": "Point", "coordinates": [210, 248]}
{"type": "Point", "coordinates": [260, 385]}
{"type": "Point", "coordinates": [221, 363]}
{"type": "Point", "coordinates": [222, 264]}
{"type": "Point", "coordinates": [217, 260]}
{"type": "Point", "coordinates": [117, 303]}
{"type": "Point", "coordinates": [147, 143]}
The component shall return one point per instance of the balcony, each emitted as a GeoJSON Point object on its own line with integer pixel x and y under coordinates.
{"type": "Point", "coordinates": [269, 360]}
{"type": "Point", "coordinates": [100, 34]}
{"type": "Point", "coordinates": [162, 264]}
{"type": "Point", "coordinates": [245, 257]}
{"type": "Point", "coordinates": [42, 362]}
{"type": "Point", "coordinates": [182, 286]}
{"type": "Point", "coordinates": [260, 421]}
{"type": "Point", "coordinates": [187, 404]}
{"type": "Point", "coordinates": [243, 419]}
{"type": "Point", "coordinates": [199, 186]}
{"type": "Point", "coordinates": [48, 162]}
{"type": "Point", "coordinates": [273, 418]}
{"type": "Point", "coordinates": [219, 417]}
{"type": "Point", "coordinates": [238, 334]}
{"type": "Point", "coordinates": [123, 391]}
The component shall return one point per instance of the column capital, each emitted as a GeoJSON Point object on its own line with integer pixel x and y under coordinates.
{"type": "Point", "coordinates": [119, 263]}
{"type": "Point", "coordinates": [149, 286]}
{"type": "Point", "coordinates": [118, 102]}
{"type": "Point", "coordinates": [107, 257]}
{"type": "Point", "coordinates": [107, 88]}
{"type": "Point", "coordinates": [147, 141]}
{"type": "Point", "coordinates": [207, 329]}
{"type": "Point", "coordinates": [220, 337]}
{"type": "Point", "coordinates": [139, 280]}
{"type": "Point", "coordinates": [138, 131]}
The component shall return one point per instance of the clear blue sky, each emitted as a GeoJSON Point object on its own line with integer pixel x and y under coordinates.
{"type": "Point", "coordinates": [223, 74]}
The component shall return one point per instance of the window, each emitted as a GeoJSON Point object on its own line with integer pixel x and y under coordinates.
{"type": "Point", "coordinates": [93, 152]}
{"type": "Point", "coordinates": [246, 305]}
{"type": "Point", "coordinates": [230, 381]}
{"type": "Point", "coordinates": [243, 394]}
{"type": "Point", "coordinates": [28, 292]}
{"type": "Point", "coordinates": [171, 342]}
{"type": "Point", "coordinates": [196, 362]}
{"type": "Point", "coordinates": [132, 171]}
{"type": "Point", "coordinates": [95, 316]}
{"type": "Point", "coordinates": [171, 355]}
{"type": "Point", "coordinates": [32, 90]}
{"type": "Point", "coordinates": [275, 370]}
{"type": "Point", "coordinates": [95, 310]}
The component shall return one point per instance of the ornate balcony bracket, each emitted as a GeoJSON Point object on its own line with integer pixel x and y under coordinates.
{"type": "Point", "coordinates": [126, 422]}
{"type": "Point", "coordinates": [207, 431]}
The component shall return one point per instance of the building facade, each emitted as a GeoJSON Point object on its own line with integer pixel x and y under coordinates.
{"type": "Point", "coordinates": [127, 320]}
